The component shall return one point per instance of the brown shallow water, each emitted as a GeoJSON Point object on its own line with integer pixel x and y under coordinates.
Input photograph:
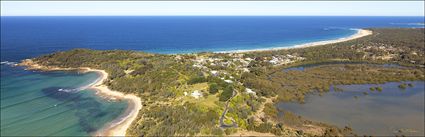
{"type": "Point", "coordinates": [393, 111]}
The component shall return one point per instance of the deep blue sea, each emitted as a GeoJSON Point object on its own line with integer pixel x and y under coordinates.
{"type": "Point", "coordinates": [32, 101]}
{"type": "Point", "coordinates": [23, 37]}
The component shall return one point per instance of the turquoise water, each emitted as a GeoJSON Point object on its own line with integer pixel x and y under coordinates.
{"type": "Point", "coordinates": [393, 111]}
{"type": "Point", "coordinates": [33, 104]}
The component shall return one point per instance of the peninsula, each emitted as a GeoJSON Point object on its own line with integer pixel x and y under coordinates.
{"type": "Point", "coordinates": [204, 93]}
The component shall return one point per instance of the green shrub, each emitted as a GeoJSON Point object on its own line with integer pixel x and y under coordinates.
{"type": "Point", "coordinates": [213, 88]}
{"type": "Point", "coordinates": [227, 93]}
{"type": "Point", "coordinates": [270, 110]}
{"type": "Point", "coordinates": [229, 131]}
{"type": "Point", "coordinates": [264, 127]}
{"type": "Point", "coordinates": [217, 131]}
{"type": "Point", "coordinates": [197, 79]}
{"type": "Point", "coordinates": [378, 89]}
{"type": "Point", "coordinates": [402, 86]}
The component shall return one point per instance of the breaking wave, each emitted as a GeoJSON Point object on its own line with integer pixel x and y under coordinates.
{"type": "Point", "coordinates": [73, 90]}
{"type": "Point", "coordinates": [8, 63]}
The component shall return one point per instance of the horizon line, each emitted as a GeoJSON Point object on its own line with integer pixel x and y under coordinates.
{"type": "Point", "coordinates": [212, 15]}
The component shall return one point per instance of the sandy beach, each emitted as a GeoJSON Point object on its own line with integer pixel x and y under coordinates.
{"type": "Point", "coordinates": [118, 126]}
{"type": "Point", "coordinates": [360, 33]}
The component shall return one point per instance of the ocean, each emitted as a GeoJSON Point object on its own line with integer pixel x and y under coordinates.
{"type": "Point", "coordinates": [35, 103]}
{"type": "Point", "coordinates": [52, 104]}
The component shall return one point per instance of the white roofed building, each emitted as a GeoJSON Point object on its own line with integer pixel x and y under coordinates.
{"type": "Point", "coordinates": [249, 91]}
{"type": "Point", "coordinates": [196, 94]}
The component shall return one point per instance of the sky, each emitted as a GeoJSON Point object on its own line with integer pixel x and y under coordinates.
{"type": "Point", "coordinates": [212, 8]}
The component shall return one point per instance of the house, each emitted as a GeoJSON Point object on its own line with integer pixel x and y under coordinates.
{"type": "Point", "coordinates": [228, 81]}
{"type": "Point", "coordinates": [249, 91]}
{"type": "Point", "coordinates": [196, 94]}
{"type": "Point", "coordinates": [214, 72]}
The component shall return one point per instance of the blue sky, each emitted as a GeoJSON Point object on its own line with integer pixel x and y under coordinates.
{"type": "Point", "coordinates": [244, 8]}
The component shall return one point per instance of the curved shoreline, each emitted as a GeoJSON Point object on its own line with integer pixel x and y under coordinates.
{"type": "Point", "coordinates": [119, 125]}
{"type": "Point", "coordinates": [360, 33]}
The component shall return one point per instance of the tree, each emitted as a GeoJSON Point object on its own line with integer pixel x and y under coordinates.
{"type": "Point", "coordinates": [402, 86]}
{"type": "Point", "coordinates": [196, 79]}
{"type": "Point", "coordinates": [270, 110]}
{"type": "Point", "coordinates": [217, 131]}
{"type": "Point", "coordinates": [379, 89]}
{"type": "Point", "coordinates": [213, 88]}
{"type": "Point", "coordinates": [227, 93]}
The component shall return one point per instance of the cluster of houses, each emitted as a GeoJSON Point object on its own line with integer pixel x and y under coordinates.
{"type": "Point", "coordinates": [239, 63]}
{"type": "Point", "coordinates": [213, 65]}
{"type": "Point", "coordinates": [387, 52]}
{"type": "Point", "coordinates": [284, 59]}
{"type": "Point", "coordinates": [198, 94]}
{"type": "Point", "coordinates": [381, 47]}
{"type": "Point", "coordinates": [207, 64]}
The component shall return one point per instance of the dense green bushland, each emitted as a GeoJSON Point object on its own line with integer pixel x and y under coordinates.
{"type": "Point", "coordinates": [294, 84]}
{"type": "Point", "coordinates": [163, 80]}
{"type": "Point", "coordinates": [406, 46]}
{"type": "Point", "coordinates": [187, 119]}
{"type": "Point", "coordinates": [149, 73]}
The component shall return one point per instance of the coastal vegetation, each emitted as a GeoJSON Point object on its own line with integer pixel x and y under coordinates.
{"type": "Point", "coordinates": [186, 94]}
{"type": "Point", "coordinates": [402, 46]}
{"type": "Point", "coordinates": [402, 86]}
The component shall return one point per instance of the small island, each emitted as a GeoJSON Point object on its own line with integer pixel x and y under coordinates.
{"type": "Point", "coordinates": [234, 93]}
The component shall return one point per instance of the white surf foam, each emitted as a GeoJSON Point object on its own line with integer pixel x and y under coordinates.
{"type": "Point", "coordinates": [9, 63]}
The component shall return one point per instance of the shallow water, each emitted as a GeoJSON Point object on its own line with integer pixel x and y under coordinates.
{"type": "Point", "coordinates": [378, 113]}
{"type": "Point", "coordinates": [50, 103]}
{"type": "Point", "coordinates": [78, 113]}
